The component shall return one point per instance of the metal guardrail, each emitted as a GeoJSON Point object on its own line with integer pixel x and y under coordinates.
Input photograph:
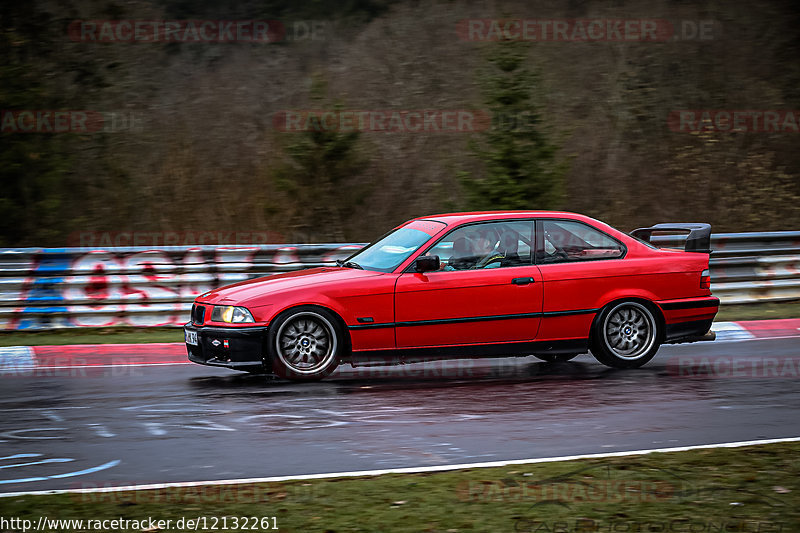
{"type": "Point", "coordinates": [751, 267]}
{"type": "Point", "coordinates": [44, 288]}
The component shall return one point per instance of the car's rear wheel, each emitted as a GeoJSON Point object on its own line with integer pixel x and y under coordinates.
{"type": "Point", "coordinates": [556, 358]}
{"type": "Point", "coordinates": [626, 335]}
{"type": "Point", "coordinates": [305, 343]}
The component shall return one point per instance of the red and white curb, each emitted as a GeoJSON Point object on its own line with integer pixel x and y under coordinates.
{"type": "Point", "coordinates": [27, 360]}
{"type": "Point", "coordinates": [21, 360]}
{"type": "Point", "coordinates": [757, 329]}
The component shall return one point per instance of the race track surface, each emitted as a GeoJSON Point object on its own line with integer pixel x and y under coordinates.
{"type": "Point", "coordinates": [130, 425]}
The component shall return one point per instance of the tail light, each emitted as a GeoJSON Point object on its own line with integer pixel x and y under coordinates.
{"type": "Point", "coordinates": [705, 279]}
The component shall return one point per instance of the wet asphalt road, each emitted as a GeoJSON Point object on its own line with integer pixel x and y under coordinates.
{"type": "Point", "coordinates": [139, 425]}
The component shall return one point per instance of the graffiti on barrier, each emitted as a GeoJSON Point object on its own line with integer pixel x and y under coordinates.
{"type": "Point", "coordinates": [53, 288]}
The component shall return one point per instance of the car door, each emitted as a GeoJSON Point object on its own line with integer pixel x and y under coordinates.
{"type": "Point", "coordinates": [578, 264]}
{"type": "Point", "coordinates": [488, 290]}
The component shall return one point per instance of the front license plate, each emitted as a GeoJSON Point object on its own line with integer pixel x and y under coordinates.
{"type": "Point", "coordinates": [191, 337]}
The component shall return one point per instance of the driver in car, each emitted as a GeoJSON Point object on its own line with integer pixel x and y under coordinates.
{"type": "Point", "coordinates": [476, 249]}
{"type": "Point", "coordinates": [462, 258]}
{"type": "Point", "coordinates": [486, 250]}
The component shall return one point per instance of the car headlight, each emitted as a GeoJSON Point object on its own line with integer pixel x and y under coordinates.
{"type": "Point", "coordinates": [231, 314]}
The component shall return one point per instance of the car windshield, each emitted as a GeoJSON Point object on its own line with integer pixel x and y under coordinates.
{"type": "Point", "coordinates": [392, 249]}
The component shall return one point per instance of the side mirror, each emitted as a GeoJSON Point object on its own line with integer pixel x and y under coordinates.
{"type": "Point", "coordinates": [427, 263]}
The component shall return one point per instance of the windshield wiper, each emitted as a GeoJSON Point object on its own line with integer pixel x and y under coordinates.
{"type": "Point", "coordinates": [348, 264]}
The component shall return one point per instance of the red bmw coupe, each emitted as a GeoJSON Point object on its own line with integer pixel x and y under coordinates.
{"type": "Point", "coordinates": [549, 284]}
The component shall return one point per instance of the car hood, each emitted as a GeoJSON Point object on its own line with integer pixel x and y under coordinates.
{"type": "Point", "coordinates": [245, 291]}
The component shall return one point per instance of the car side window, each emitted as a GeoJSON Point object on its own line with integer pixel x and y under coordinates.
{"type": "Point", "coordinates": [566, 241]}
{"type": "Point", "coordinates": [487, 245]}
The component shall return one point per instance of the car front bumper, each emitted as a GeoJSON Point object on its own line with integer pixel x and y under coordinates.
{"type": "Point", "coordinates": [236, 348]}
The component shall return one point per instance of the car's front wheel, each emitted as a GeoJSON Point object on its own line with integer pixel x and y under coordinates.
{"type": "Point", "coordinates": [305, 344]}
{"type": "Point", "coordinates": [625, 335]}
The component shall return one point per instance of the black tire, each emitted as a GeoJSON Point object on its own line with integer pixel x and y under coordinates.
{"type": "Point", "coordinates": [626, 334]}
{"type": "Point", "coordinates": [556, 357]}
{"type": "Point", "coordinates": [304, 343]}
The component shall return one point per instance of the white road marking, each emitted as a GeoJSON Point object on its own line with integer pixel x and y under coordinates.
{"type": "Point", "coordinates": [408, 470]}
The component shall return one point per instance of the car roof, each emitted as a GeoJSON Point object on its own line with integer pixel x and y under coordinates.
{"type": "Point", "coordinates": [460, 218]}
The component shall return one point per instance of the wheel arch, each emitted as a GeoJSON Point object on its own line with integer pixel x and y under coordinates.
{"type": "Point", "coordinates": [658, 314]}
{"type": "Point", "coordinates": [347, 342]}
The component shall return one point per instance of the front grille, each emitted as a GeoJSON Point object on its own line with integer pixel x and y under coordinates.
{"type": "Point", "coordinates": [198, 314]}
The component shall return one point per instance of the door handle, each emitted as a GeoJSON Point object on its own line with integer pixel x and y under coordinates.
{"type": "Point", "coordinates": [522, 281]}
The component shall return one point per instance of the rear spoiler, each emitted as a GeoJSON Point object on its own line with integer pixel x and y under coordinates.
{"type": "Point", "coordinates": [698, 240]}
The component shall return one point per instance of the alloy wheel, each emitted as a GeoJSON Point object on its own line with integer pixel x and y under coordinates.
{"type": "Point", "coordinates": [306, 343]}
{"type": "Point", "coordinates": [629, 330]}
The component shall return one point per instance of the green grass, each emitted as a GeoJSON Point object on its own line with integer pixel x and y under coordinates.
{"type": "Point", "coordinates": [113, 335]}
{"type": "Point", "coordinates": [759, 311]}
{"type": "Point", "coordinates": [740, 489]}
